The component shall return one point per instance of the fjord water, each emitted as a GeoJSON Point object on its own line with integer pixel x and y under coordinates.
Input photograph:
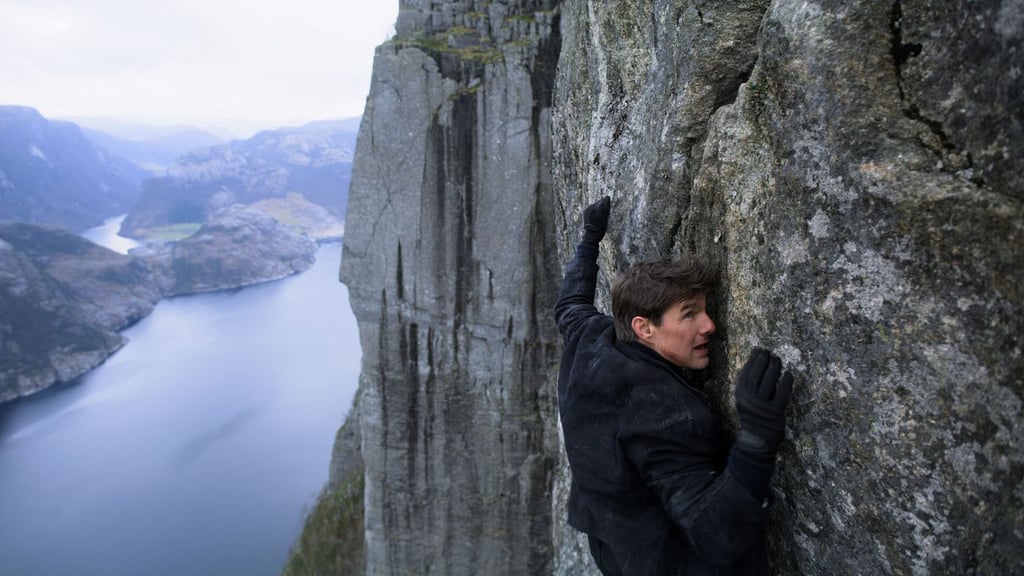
{"type": "Point", "coordinates": [106, 235]}
{"type": "Point", "coordinates": [196, 449]}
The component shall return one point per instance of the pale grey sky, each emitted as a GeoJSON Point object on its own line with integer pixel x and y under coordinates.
{"type": "Point", "coordinates": [238, 64]}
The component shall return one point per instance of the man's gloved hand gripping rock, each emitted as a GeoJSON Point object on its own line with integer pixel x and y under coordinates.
{"type": "Point", "coordinates": [595, 220]}
{"type": "Point", "coordinates": [761, 399]}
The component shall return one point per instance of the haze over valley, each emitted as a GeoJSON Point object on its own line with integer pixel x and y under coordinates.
{"type": "Point", "coordinates": [176, 352]}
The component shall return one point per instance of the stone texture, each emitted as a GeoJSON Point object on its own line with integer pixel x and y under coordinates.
{"type": "Point", "coordinates": [851, 166]}
{"type": "Point", "coordinates": [860, 193]}
{"type": "Point", "coordinates": [451, 282]}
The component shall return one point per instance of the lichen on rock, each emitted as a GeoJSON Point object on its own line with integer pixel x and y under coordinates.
{"type": "Point", "coordinates": [851, 168]}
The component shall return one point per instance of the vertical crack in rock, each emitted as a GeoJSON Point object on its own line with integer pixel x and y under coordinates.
{"type": "Point", "coordinates": [459, 151]}
{"type": "Point", "coordinates": [900, 52]}
{"type": "Point", "coordinates": [399, 279]}
{"type": "Point", "coordinates": [953, 158]}
{"type": "Point", "coordinates": [457, 433]}
{"type": "Point", "coordinates": [727, 95]}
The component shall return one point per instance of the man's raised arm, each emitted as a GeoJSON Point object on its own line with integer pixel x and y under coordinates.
{"type": "Point", "coordinates": [576, 298]}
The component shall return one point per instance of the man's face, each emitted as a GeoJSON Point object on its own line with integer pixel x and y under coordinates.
{"type": "Point", "coordinates": [683, 333]}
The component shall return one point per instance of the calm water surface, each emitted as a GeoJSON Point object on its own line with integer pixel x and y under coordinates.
{"type": "Point", "coordinates": [106, 235]}
{"type": "Point", "coordinates": [196, 449]}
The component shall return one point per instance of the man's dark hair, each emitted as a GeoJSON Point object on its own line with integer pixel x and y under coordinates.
{"type": "Point", "coordinates": [648, 289]}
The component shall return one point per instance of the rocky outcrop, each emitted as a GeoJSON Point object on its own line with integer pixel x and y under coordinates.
{"type": "Point", "coordinates": [63, 299]}
{"type": "Point", "coordinates": [303, 217]}
{"type": "Point", "coordinates": [238, 246]}
{"type": "Point", "coordinates": [314, 161]}
{"type": "Point", "coordinates": [852, 167]}
{"type": "Point", "coordinates": [451, 282]}
{"type": "Point", "coordinates": [50, 174]}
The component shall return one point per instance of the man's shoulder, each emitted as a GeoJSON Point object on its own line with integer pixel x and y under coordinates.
{"type": "Point", "coordinates": [659, 397]}
{"type": "Point", "coordinates": [596, 337]}
{"type": "Point", "coordinates": [600, 328]}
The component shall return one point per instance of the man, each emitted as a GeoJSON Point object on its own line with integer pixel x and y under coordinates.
{"type": "Point", "coordinates": [654, 486]}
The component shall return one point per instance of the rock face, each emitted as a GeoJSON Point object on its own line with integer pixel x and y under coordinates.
{"type": "Point", "coordinates": [50, 174]}
{"type": "Point", "coordinates": [448, 262]}
{"type": "Point", "coordinates": [852, 166]}
{"type": "Point", "coordinates": [313, 160]}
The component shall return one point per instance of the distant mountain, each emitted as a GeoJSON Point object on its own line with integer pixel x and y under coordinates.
{"type": "Point", "coordinates": [50, 173]}
{"type": "Point", "coordinates": [312, 161]}
{"type": "Point", "coordinates": [141, 132]}
{"type": "Point", "coordinates": [336, 125]}
{"type": "Point", "coordinates": [157, 151]}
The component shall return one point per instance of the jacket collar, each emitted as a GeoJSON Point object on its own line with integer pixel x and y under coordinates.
{"type": "Point", "coordinates": [644, 353]}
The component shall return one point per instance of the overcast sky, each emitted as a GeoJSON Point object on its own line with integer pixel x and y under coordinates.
{"type": "Point", "coordinates": [237, 64]}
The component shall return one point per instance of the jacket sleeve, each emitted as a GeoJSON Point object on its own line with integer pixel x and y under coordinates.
{"type": "Point", "coordinates": [576, 298]}
{"type": "Point", "coordinates": [721, 519]}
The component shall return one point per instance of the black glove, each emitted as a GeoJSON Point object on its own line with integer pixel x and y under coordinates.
{"type": "Point", "coordinates": [761, 398]}
{"type": "Point", "coordinates": [595, 220]}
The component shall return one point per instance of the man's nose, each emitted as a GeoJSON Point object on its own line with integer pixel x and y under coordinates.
{"type": "Point", "coordinates": [709, 325]}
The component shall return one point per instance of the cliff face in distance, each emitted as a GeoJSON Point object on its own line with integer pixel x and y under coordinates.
{"type": "Point", "coordinates": [854, 168]}
{"type": "Point", "coordinates": [451, 276]}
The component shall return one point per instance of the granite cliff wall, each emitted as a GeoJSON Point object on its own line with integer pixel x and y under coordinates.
{"type": "Point", "coordinates": [853, 167]}
{"type": "Point", "coordinates": [451, 276]}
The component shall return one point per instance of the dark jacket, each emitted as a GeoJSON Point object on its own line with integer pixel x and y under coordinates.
{"type": "Point", "coordinates": [648, 459]}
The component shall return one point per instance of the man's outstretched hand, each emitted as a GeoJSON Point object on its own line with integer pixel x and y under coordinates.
{"type": "Point", "coordinates": [761, 399]}
{"type": "Point", "coordinates": [595, 220]}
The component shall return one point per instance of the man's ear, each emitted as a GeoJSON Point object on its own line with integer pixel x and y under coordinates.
{"type": "Point", "coordinates": [642, 327]}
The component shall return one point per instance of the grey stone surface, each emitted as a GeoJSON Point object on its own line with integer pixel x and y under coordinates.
{"type": "Point", "coordinates": [859, 191]}
{"type": "Point", "coordinates": [451, 281]}
{"type": "Point", "coordinates": [853, 167]}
